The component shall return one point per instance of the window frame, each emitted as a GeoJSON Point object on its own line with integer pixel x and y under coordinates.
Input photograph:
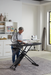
{"type": "Point", "coordinates": [49, 26]}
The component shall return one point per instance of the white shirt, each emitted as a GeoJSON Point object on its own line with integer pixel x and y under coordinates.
{"type": "Point", "coordinates": [19, 36]}
{"type": "Point", "coordinates": [16, 36]}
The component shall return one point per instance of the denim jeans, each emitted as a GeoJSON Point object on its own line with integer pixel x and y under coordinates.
{"type": "Point", "coordinates": [14, 54]}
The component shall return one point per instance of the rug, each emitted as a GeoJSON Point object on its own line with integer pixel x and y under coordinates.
{"type": "Point", "coordinates": [26, 68]}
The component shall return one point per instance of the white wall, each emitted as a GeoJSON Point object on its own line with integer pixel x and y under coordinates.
{"type": "Point", "coordinates": [14, 10]}
{"type": "Point", "coordinates": [34, 18]}
{"type": "Point", "coordinates": [43, 22]}
{"type": "Point", "coordinates": [24, 14]}
{"type": "Point", "coordinates": [47, 9]}
{"type": "Point", "coordinates": [29, 20]}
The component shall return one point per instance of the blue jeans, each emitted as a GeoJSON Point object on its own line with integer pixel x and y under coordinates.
{"type": "Point", "coordinates": [14, 54]}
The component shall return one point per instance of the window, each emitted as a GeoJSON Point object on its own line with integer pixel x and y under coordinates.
{"type": "Point", "coordinates": [50, 27]}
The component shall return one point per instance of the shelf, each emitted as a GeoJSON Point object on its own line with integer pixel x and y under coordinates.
{"type": "Point", "coordinates": [2, 26]}
{"type": "Point", "coordinates": [4, 21]}
{"type": "Point", "coordinates": [7, 27]}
